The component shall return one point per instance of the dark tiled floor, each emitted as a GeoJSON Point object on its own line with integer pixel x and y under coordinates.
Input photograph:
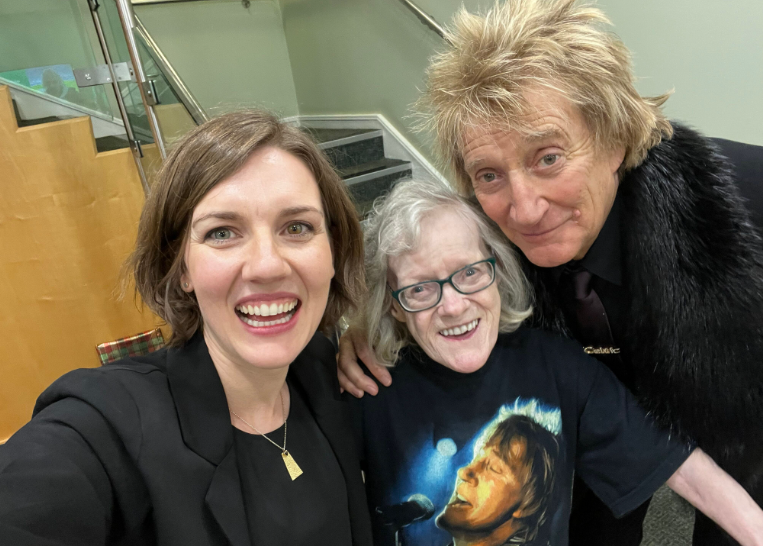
{"type": "Point", "coordinates": [669, 521]}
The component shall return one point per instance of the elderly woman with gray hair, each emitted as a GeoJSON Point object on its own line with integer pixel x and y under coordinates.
{"type": "Point", "coordinates": [486, 421]}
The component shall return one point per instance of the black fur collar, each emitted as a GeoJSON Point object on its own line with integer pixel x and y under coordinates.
{"type": "Point", "coordinates": [694, 272]}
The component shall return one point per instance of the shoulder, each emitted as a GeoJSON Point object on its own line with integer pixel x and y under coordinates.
{"type": "Point", "coordinates": [107, 381]}
{"type": "Point", "coordinates": [115, 392]}
{"type": "Point", "coordinates": [543, 343]}
{"type": "Point", "coordinates": [747, 165]}
{"type": "Point", "coordinates": [562, 357]}
{"type": "Point", "coordinates": [315, 367]}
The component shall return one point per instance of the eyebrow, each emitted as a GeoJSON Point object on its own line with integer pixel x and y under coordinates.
{"type": "Point", "coordinates": [234, 216]}
{"type": "Point", "coordinates": [299, 210]}
{"type": "Point", "coordinates": [532, 138]}
{"type": "Point", "coordinates": [218, 216]}
{"type": "Point", "coordinates": [536, 136]}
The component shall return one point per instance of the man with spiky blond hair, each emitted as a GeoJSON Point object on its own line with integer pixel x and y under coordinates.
{"type": "Point", "coordinates": [640, 236]}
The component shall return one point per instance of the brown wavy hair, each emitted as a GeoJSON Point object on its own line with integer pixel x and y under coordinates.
{"type": "Point", "coordinates": [198, 162]}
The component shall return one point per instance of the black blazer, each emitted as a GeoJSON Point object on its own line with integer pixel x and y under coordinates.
{"type": "Point", "coordinates": [141, 452]}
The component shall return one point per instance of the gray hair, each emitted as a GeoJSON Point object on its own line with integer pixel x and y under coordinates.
{"type": "Point", "coordinates": [393, 229]}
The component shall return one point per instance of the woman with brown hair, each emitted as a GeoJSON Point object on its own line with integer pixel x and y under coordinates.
{"type": "Point", "coordinates": [248, 244]}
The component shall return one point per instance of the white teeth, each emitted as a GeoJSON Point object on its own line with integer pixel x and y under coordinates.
{"type": "Point", "coordinates": [256, 323]}
{"type": "Point", "coordinates": [459, 330]}
{"type": "Point", "coordinates": [266, 310]}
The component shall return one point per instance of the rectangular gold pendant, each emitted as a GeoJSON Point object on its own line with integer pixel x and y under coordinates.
{"type": "Point", "coordinates": [291, 465]}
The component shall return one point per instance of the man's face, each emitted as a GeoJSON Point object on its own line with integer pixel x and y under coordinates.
{"type": "Point", "coordinates": [551, 188]}
{"type": "Point", "coordinates": [488, 492]}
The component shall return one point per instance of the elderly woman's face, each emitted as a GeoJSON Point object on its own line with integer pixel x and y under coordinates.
{"type": "Point", "coordinates": [259, 261]}
{"type": "Point", "coordinates": [550, 191]}
{"type": "Point", "coordinates": [448, 243]}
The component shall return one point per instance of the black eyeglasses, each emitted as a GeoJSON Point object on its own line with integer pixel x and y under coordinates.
{"type": "Point", "coordinates": [467, 280]}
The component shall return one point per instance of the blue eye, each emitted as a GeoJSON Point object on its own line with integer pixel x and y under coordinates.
{"type": "Point", "coordinates": [549, 159]}
{"type": "Point", "coordinates": [220, 234]}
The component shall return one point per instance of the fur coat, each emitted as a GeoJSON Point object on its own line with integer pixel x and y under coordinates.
{"type": "Point", "coordinates": [693, 272]}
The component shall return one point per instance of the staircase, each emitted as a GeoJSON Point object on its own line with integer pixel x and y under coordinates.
{"type": "Point", "coordinates": [358, 156]}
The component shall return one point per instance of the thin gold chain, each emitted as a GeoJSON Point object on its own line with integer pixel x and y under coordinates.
{"type": "Point", "coordinates": [283, 412]}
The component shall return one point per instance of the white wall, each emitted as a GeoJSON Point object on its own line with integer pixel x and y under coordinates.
{"type": "Point", "coordinates": [229, 56]}
{"type": "Point", "coordinates": [710, 51]}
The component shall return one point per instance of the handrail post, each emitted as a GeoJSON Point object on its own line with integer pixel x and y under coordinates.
{"type": "Point", "coordinates": [124, 7]}
{"type": "Point", "coordinates": [134, 144]}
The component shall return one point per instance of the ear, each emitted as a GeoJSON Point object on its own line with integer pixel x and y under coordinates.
{"type": "Point", "coordinates": [397, 312]}
{"type": "Point", "coordinates": [616, 158]}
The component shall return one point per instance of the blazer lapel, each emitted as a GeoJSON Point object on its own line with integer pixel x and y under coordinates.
{"type": "Point", "coordinates": [202, 410]}
{"type": "Point", "coordinates": [314, 373]}
{"type": "Point", "coordinates": [226, 501]}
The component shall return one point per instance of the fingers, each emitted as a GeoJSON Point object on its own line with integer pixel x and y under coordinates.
{"type": "Point", "coordinates": [351, 375]}
{"type": "Point", "coordinates": [379, 372]}
{"type": "Point", "coordinates": [346, 385]}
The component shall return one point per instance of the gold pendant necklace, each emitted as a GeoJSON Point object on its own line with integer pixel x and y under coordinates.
{"type": "Point", "coordinates": [291, 465]}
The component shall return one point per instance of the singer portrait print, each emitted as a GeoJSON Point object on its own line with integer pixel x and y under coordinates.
{"type": "Point", "coordinates": [506, 488]}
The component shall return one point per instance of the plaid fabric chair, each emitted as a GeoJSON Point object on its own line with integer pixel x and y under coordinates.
{"type": "Point", "coordinates": [137, 345]}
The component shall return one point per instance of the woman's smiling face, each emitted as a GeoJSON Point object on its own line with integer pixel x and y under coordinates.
{"type": "Point", "coordinates": [449, 242]}
{"type": "Point", "coordinates": [259, 261]}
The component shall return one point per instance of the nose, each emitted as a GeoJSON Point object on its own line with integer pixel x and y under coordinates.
{"type": "Point", "coordinates": [467, 473]}
{"type": "Point", "coordinates": [264, 260]}
{"type": "Point", "coordinates": [527, 205]}
{"type": "Point", "coordinates": [452, 303]}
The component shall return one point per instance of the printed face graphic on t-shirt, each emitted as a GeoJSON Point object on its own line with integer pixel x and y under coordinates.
{"type": "Point", "coordinates": [488, 490]}
{"type": "Point", "coordinates": [506, 488]}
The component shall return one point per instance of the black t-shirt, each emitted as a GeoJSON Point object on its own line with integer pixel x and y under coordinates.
{"type": "Point", "coordinates": [539, 410]}
{"type": "Point", "coordinates": [307, 511]}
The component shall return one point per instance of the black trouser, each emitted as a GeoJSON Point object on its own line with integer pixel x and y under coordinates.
{"type": "Point", "coordinates": [592, 522]}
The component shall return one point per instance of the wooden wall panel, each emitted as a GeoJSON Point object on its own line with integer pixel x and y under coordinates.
{"type": "Point", "coordinates": [68, 219]}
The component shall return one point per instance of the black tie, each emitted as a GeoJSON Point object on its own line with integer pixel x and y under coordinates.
{"type": "Point", "coordinates": [583, 308]}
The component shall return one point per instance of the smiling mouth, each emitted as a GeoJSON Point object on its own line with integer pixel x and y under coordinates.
{"type": "Point", "coordinates": [460, 330]}
{"type": "Point", "coordinates": [276, 313]}
{"type": "Point", "coordinates": [537, 234]}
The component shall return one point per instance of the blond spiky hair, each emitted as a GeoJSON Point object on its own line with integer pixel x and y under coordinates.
{"type": "Point", "coordinates": [494, 59]}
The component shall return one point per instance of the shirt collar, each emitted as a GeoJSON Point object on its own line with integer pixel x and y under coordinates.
{"type": "Point", "coordinates": [604, 258]}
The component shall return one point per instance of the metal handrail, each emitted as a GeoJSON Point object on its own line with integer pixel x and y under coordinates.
{"type": "Point", "coordinates": [124, 8]}
{"type": "Point", "coordinates": [425, 18]}
{"type": "Point", "coordinates": [137, 153]}
{"type": "Point", "coordinates": [174, 80]}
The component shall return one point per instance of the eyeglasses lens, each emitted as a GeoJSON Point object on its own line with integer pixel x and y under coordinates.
{"type": "Point", "coordinates": [421, 296]}
{"type": "Point", "coordinates": [470, 279]}
{"type": "Point", "coordinates": [474, 277]}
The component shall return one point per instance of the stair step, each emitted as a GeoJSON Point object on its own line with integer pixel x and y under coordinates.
{"type": "Point", "coordinates": [364, 193]}
{"type": "Point", "coordinates": [112, 142]}
{"type": "Point", "coordinates": [102, 144]}
{"type": "Point", "coordinates": [348, 148]}
{"type": "Point", "coordinates": [373, 169]}
{"type": "Point", "coordinates": [327, 138]}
